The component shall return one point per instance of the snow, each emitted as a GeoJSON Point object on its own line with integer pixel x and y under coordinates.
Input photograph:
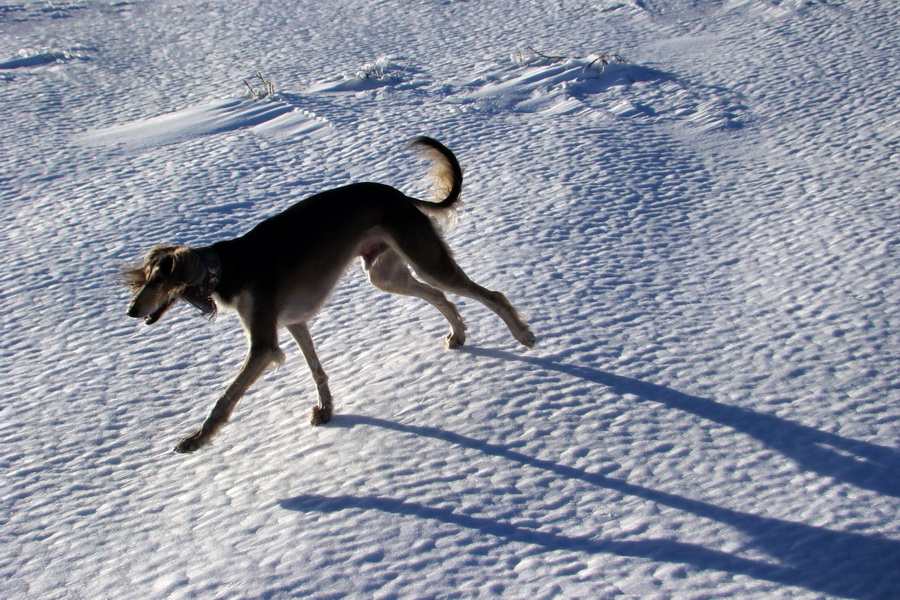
{"type": "Point", "coordinates": [704, 238]}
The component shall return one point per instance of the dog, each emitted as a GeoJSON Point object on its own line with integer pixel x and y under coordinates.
{"type": "Point", "coordinates": [283, 270]}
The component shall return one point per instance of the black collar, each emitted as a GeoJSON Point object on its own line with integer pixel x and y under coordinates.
{"type": "Point", "coordinates": [201, 295]}
{"type": "Point", "coordinates": [210, 259]}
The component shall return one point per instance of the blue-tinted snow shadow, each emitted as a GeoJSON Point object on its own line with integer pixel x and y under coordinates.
{"type": "Point", "coordinates": [837, 563]}
{"type": "Point", "coordinates": [863, 464]}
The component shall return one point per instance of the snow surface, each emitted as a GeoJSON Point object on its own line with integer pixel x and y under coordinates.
{"type": "Point", "coordinates": [704, 237]}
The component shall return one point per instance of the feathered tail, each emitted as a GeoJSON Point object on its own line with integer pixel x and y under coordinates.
{"type": "Point", "coordinates": [446, 174]}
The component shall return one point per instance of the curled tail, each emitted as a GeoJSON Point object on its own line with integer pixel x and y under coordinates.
{"type": "Point", "coordinates": [446, 173]}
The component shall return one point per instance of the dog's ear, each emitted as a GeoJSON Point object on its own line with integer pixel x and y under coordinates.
{"type": "Point", "coordinates": [134, 277]}
{"type": "Point", "coordinates": [166, 266]}
{"type": "Point", "coordinates": [160, 257]}
{"type": "Point", "coordinates": [187, 268]}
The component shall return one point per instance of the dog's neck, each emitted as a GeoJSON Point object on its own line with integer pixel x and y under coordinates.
{"type": "Point", "coordinates": [200, 295]}
{"type": "Point", "coordinates": [210, 260]}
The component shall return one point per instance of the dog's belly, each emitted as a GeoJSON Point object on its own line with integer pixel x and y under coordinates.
{"type": "Point", "coordinates": [300, 303]}
{"type": "Point", "coordinates": [299, 311]}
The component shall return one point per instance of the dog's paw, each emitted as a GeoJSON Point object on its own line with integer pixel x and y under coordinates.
{"type": "Point", "coordinates": [527, 339]}
{"type": "Point", "coordinates": [192, 442]}
{"type": "Point", "coordinates": [320, 415]}
{"type": "Point", "coordinates": [455, 341]}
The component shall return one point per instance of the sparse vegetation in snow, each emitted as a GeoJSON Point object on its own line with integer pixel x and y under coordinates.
{"type": "Point", "coordinates": [260, 87]}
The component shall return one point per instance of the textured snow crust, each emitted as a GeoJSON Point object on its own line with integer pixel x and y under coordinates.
{"type": "Point", "coordinates": [704, 238]}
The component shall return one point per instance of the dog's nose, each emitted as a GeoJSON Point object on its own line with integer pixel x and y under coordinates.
{"type": "Point", "coordinates": [132, 311]}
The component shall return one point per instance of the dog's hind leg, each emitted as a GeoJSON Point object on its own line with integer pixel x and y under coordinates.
{"type": "Point", "coordinates": [390, 274]}
{"type": "Point", "coordinates": [321, 414]}
{"type": "Point", "coordinates": [264, 352]}
{"type": "Point", "coordinates": [432, 261]}
{"type": "Point", "coordinates": [498, 303]}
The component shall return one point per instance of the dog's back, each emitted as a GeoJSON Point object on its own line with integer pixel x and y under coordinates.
{"type": "Point", "coordinates": [323, 233]}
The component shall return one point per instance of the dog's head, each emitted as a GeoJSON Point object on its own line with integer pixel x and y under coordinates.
{"type": "Point", "coordinates": [167, 274]}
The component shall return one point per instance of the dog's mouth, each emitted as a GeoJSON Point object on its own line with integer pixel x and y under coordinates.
{"type": "Point", "coordinates": [155, 315]}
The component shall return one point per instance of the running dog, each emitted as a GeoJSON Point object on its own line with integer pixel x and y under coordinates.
{"type": "Point", "coordinates": [282, 271]}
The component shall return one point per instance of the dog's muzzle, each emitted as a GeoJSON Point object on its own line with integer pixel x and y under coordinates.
{"type": "Point", "coordinates": [153, 316]}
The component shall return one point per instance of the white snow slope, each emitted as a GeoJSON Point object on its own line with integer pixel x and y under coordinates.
{"type": "Point", "coordinates": [704, 238]}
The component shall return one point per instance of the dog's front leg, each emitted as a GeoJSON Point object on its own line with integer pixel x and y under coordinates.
{"type": "Point", "coordinates": [260, 358]}
{"type": "Point", "coordinates": [321, 414]}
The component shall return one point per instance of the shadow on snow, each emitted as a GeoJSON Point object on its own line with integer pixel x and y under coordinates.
{"type": "Point", "coordinates": [837, 563]}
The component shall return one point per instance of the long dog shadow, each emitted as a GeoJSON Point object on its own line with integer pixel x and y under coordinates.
{"type": "Point", "coordinates": [844, 564]}
{"type": "Point", "coordinates": [865, 465]}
